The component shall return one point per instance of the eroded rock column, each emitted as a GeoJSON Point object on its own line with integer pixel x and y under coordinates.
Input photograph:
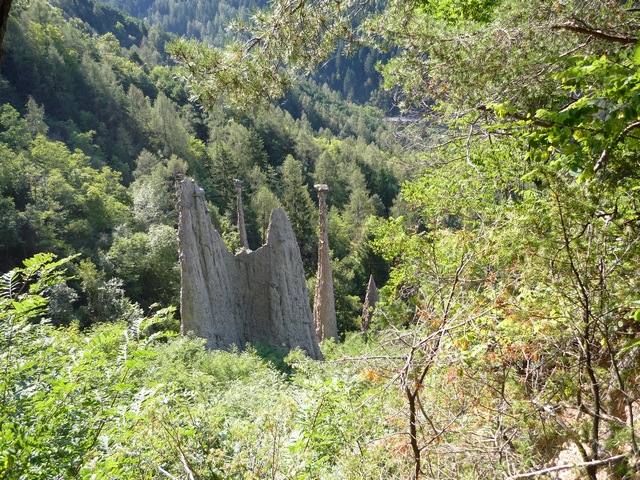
{"type": "Point", "coordinates": [370, 300]}
{"type": "Point", "coordinates": [207, 269]}
{"type": "Point", "coordinates": [274, 292]}
{"type": "Point", "coordinates": [242, 231]}
{"type": "Point", "coordinates": [324, 304]}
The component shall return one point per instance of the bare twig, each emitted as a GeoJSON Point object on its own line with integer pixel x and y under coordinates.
{"type": "Point", "coordinates": [166, 474]}
{"type": "Point", "coordinates": [570, 52]}
{"type": "Point", "coordinates": [573, 26]}
{"type": "Point", "coordinates": [557, 468]}
{"type": "Point", "coordinates": [607, 151]}
{"type": "Point", "coordinates": [185, 464]}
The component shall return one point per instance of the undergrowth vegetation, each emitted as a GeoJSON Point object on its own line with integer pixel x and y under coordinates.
{"type": "Point", "coordinates": [113, 402]}
{"type": "Point", "coordinates": [436, 398]}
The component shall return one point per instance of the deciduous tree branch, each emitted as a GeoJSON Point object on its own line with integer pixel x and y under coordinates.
{"type": "Point", "coordinates": [605, 153]}
{"type": "Point", "coordinates": [573, 26]}
{"type": "Point", "coordinates": [557, 468]}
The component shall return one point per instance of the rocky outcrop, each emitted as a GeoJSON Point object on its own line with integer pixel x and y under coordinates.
{"type": "Point", "coordinates": [257, 297]}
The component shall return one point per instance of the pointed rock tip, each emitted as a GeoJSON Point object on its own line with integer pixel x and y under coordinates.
{"type": "Point", "coordinates": [279, 226]}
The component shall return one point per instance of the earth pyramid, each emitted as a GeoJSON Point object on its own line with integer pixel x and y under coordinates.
{"type": "Point", "coordinates": [256, 297]}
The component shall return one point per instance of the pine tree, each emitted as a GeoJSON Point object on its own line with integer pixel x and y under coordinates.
{"type": "Point", "coordinates": [263, 202]}
{"type": "Point", "coordinates": [5, 7]}
{"type": "Point", "coordinates": [298, 205]}
{"type": "Point", "coordinates": [35, 118]}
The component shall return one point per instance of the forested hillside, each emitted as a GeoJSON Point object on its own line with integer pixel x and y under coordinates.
{"type": "Point", "coordinates": [87, 89]}
{"type": "Point", "coordinates": [502, 225]}
{"type": "Point", "coordinates": [350, 70]}
{"type": "Point", "coordinates": [203, 20]}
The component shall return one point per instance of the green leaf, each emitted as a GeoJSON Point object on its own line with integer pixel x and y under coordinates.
{"type": "Point", "coordinates": [636, 55]}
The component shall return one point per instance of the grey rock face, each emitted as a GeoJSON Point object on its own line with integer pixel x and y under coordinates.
{"type": "Point", "coordinates": [257, 297]}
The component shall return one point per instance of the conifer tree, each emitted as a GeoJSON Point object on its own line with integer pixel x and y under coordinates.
{"type": "Point", "coordinates": [35, 118]}
{"type": "Point", "coordinates": [298, 205]}
{"type": "Point", "coordinates": [263, 202]}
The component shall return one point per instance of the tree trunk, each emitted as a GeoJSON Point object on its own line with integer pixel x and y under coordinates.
{"type": "Point", "coordinates": [5, 7]}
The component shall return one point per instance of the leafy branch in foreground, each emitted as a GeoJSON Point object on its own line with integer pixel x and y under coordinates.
{"type": "Point", "coordinates": [294, 36]}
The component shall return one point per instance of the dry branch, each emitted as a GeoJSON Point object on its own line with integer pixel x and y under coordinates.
{"type": "Point", "coordinates": [557, 468]}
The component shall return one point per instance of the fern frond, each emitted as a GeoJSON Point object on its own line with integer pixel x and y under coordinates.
{"type": "Point", "coordinates": [7, 283]}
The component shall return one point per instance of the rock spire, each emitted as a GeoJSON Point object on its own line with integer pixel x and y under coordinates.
{"type": "Point", "coordinates": [324, 304]}
{"type": "Point", "coordinates": [370, 300]}
{"type": "Point", "coordinates": [256, 297]}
